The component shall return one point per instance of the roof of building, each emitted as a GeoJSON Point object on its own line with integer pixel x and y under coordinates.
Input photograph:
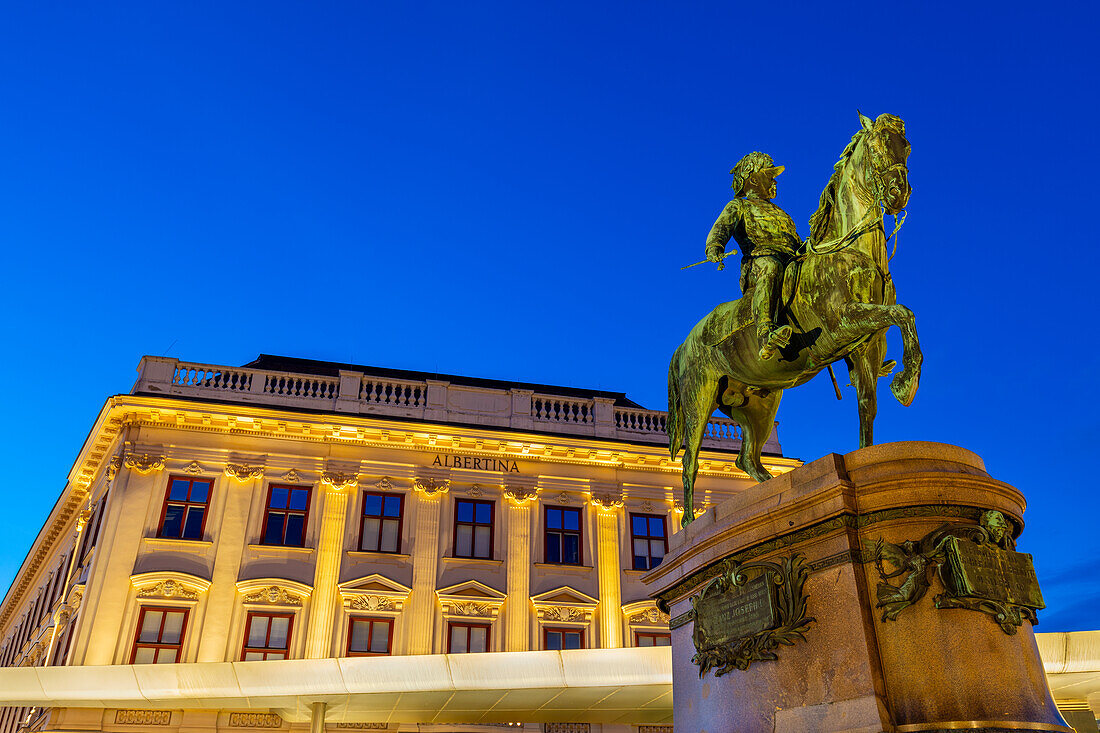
{"type": "Point", "coordinates": [333, 368]}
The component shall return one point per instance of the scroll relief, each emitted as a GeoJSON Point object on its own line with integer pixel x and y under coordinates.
{"type": "Point", "coordinates": [747, 612]}
{"type": "Point", "coordinates": [977, 565]}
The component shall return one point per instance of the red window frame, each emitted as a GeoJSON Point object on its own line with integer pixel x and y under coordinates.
{"type": "Point", "coordinates": [547, 630]}
{"type": "Point", "coordinates": [648, 538]}
{"type": "Point", "coordinates": [460, 625]}
{"type": "Point", "coordinates": [158, 645]}
{"type": "Point", "coordinates": [363, 516]}
{"type": "Point", "coordinates": [562, 532]}
{"type": "Point", "coordinates": [286, 512]}
{"type": "Point", "coordinates": [374, 623]}
{"type": "Point", "coordinates": [267, 650]}
{"type": "Point", "coordinates": [653, 636]}
{"type": "Point", "coordinates": [474, 524]}
{"type": "Point", "coordinates": [186, 504]}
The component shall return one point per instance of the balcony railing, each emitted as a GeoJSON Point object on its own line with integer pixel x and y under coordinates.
{"type": "Point", "coordinates": [436, 401]}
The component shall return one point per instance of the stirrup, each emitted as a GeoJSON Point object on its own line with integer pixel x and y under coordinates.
{"type": "Point", "coordinates": [887, 367]}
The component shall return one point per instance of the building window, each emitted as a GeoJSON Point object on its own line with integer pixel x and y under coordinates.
{"type": "Point", "coordinates": [563, 535]}
{"type": "Point", "coordinates": [159, 637]}
{"type": "Point", "coordinates": [267, 636]}
{"type": "Point", "coordinates": [380, 525]}
{"type": "Point", "coordinates": [184, 515]}
{"type": "Point", "coordinates": [287, 511]}
{"type": "Point", "coordinates": [369, 637]}
{"type": "Point", "coordinates": [463, 638]}
{"type": "Point", "coordinates": [645, 638]}
{"type": "Point", "coordinates": [558, 639]}
{"type": "Point", "coordinates": [473, 529]}
{"type": "Point", "coordinates": [649, 541]}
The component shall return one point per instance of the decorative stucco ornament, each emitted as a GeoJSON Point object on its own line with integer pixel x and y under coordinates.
{"type": "Point", "coordinates": [339, 481]}
{"type": "Point", "coordinates": [242, 472]}
{"type": "Point", "coordinates": [143, 463]}
{"type": "Point", "coordinates": [431, 486]}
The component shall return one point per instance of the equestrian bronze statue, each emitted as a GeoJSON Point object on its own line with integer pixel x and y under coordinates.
{"type": "Point", "coordinates": [804, 305]}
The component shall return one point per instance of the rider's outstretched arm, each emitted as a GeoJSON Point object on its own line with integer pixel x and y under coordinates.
{"type": "Point", "coordinates": [722, 231]}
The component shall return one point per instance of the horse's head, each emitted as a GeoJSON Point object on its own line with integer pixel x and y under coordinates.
{"type": "Point", "coordinates": [884, 170]}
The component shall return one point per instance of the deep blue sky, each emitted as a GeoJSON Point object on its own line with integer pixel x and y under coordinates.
{"type": "Point", "coordinates": [509, 191]}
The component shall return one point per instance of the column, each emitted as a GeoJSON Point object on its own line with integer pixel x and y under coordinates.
{"type": "Point", "coordinates": [517, 614]}
{"type": "Point", "coordinates": [609, 569]}
{"type": "Point", "coordinates": [425, 556]}
{"type": "Point", "coordinates": [326, 574]}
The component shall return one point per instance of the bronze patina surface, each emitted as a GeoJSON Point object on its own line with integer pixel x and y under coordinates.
{"type": "Point", "coordinates": [810, 303]}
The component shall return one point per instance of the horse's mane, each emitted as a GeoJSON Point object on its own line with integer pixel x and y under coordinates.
{"type": "Point", "coordinates": [819, 222]}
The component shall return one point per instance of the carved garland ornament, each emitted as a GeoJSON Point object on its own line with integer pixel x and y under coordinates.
{"type": "Point", "coordinates": [430, 486]}
{"type": "Point", "coordinates": [242, 472]}
{"type": "Point", "coordinates": [292, 476]}
{"type": "Point", "coordinates": [384, 483]}
{"type": "Point", "coordinates": [193, 467]}
{"type": "Point", "coordinates": [339, 481]}
{"type": "Point", "coordinates": [168, 589]}
{"type": "Point", "coordinates": [563, 613]}
{"type": "Point", "coordinates": [275, 596]}
{"type": "Point", "coordinates": [608, 501]}
{"type": "Point", "coordinates": [143, 463]}
{"type": "Point", "coordinates": [520, 495]}
{"type": "Point", "coordinates": [371, 603]}
{"type": "Point", "coordinates": [649, 616]}
{"type": "Point", "coordinates": [471, 609]}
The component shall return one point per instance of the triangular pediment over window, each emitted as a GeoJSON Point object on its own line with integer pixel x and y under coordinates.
{"type": "Point", "coordinates": [565, 604]}
{"type": "Point", "coordinates": [471, 598]}
{"type": "Point", "coordinates": [374, 593]}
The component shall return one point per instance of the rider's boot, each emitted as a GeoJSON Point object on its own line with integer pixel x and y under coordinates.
{"type": "Point", "coordinates": [763, 305]}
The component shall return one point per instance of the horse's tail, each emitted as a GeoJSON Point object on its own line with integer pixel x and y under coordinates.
{"type": "Point", "coordinates": [674, 425]}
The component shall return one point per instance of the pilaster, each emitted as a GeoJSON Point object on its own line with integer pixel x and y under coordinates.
{"type": "Point", "coordinates": [608, 506]}
{"type": "Point", "coordinates": [517, 617]}
{"type": "Point", "coordinates": [326, 575]}
{"type": "Point", "coordinates": [425, 555]}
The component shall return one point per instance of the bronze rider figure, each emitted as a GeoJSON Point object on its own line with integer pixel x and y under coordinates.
{"type": "Point", "coordinates": [767, 238]}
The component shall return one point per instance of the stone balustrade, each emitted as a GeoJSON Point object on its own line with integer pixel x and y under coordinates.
{"type": "Point", "coordinates": [431, 400]}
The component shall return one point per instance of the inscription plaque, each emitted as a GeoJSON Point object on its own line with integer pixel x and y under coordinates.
{"type": "Point", "coordinates": [986, 571]}
{"type": "Point", "coordinates": [738, 611]}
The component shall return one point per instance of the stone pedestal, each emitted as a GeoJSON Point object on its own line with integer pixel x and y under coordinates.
{"type": "Point", "coordinates": [927, 669]}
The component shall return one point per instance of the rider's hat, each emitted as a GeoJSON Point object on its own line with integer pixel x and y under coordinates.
{"type": "Point", "coordinates": [752, 163]}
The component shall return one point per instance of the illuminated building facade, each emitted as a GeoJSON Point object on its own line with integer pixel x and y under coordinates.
{"type": "Point", "coordinates": [301, 510]}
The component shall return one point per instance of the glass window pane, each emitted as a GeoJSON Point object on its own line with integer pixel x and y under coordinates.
{"type": "Point", "coordinates": [274, 533]}
{"type": "Point", "coordinates": [193, 529]}
{"type": "Point", "coordinates": [257, 631]}
{"type": "Point", "coordinates": [167, 656]}
{"type": "Point", "coordinates": [553, 640]}
{"type": "Point", "coordinates": [645, 640]}
{"type": "Point", "coordinates": [389, 536]}
{"type": "Point", "coordinates": [253, 656]}
{"type": "Point", "coordinates": [200, 490]}
{"type": "Point", "coordinates": [299, 499]}
{"type": "Point", "coordinates": [573, 519]}
{"type": "Point", "coordinates": [370, 533]}
{"type": "Point", "coordinates": [280, 628]}
{"type": "Point", "coordinates": [393, 506]}
{"type": "Point", "coordinates": [553, 518]}
{"type": "Point", "coordinates": [572, 640]}
{"type": "Point", "coordinates": [638, 525]}
{"type": "Point", "coordinates": [359, 631]}
{"type": "Point", "coordinates": [372, 504]}
{"type": "Point", "coordinates": [178, 492]}
{"type": "Point", "coordinates": [458, 640]}
{"type": "Point", "coordinates": [572, 553]}
{"type": "Point", "coordinates": [278, 497]}
{"type": "Point", "coordinates": [275, 655]}
{"type": "Point", "coordinates": [484, 511]}
{"type": "Point", "coordinates": [641, 548]}
{"type": "Point", "coordinates": [481, 541]}
{"type": "Point", "coordinates": [173, 627]}
{"type": "Point", "coordinates": [464, 540]}
{"type": "Point", "coordinates": [145, 655]}
{"type": "Point", "coordinates": [656, 548]}
{"type": "Point", "coordinates": [663, 640]}
{"type": "Point", "coordinates": [553, 547]}
{"type": "Point", "coordinates": [380, 639]}
{"type": "Point", "coordinates": [656, 527]}
{"type": "Point", "coordinates": [173, 521]}
{"type": "Point", "coordinates": [479, 638]}
{"type": "Point", "coordinates": [465, 511]}
{"type": "Point", "coordinates": [295, 530]}
{"type": "Point", "coordinates": [150, 626]}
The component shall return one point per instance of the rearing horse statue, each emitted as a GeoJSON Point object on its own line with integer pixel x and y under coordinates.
{"type": "Point", "coordinates": [838, 298]}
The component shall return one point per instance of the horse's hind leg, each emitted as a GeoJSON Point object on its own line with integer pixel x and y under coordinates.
{"type": "Point", "coordinates": [757, 420]}
{"type": "Point", "coordinates": [697, 404]}
{"type": "Point", "coordinates": [864, 365]}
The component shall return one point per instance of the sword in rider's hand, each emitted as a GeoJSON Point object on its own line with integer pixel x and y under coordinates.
{"type": "Point", "coordinates": [721, 264]}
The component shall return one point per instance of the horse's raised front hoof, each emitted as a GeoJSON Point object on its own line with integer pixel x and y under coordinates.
{"type": "Point", "coordinates": [904, 386]}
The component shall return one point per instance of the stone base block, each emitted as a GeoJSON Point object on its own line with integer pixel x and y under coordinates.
{"type": "Point", "coordinates": [918, 668]}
